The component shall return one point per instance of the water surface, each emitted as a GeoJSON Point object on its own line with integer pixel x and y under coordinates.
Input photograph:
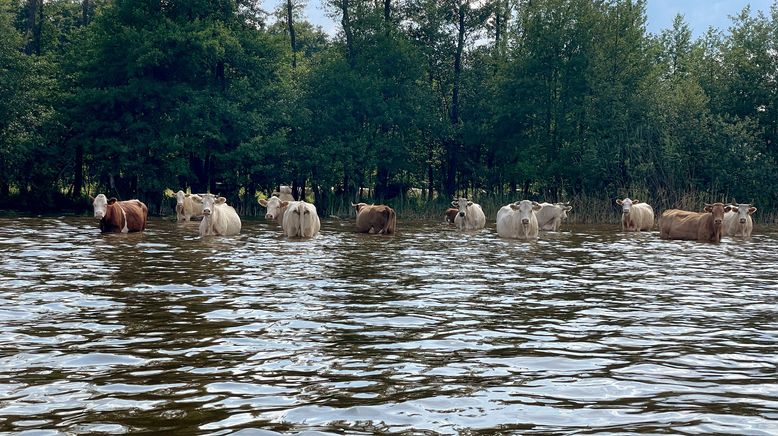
{"type": "Point", "coordinates": [588, 330]}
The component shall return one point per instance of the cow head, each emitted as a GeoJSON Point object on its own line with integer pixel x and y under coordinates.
{"type": "Point", "coordinates": [718, 210]}
{"type": "Point", "coordinates": [564, 207]}
{"type": "Point", "coordinates": [209, 201]}
{"type": "Point", "coordinates": [283, 189]}
{"type": "Point", "coordinates": [626, 205]}
{"type": "Point", "coordinates": [275, 207]}
{"type": "Point", "coordinates": [358, 207]}
{"type": "Point", "coordinates": [462, 204]}
{"type": "Point", "coordinates": [297, 217]}
{"type": "Point", "coordinates": [526, 209]}
{"type": "Point", "coordinates": [743, 210]}
{"type": "Point", "coordinates": [180, 196]}
{"type": "Point", "coordinates": [100, 205]}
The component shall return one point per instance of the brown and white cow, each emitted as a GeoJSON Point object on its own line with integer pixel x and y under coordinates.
{"type": "Point", "coordinates": [451, 214]}
{"type": "Point", "coordinates": [120, 216]}
{"type": "Point", "coordinates": [517, 220]}
{"type": "Point", "coordinates": [738, 222]}
{"type": "Point", "coordinates": [550, 216]}
{"type": "Point", "coordinates": [375, 219]}
{"type": "Point", "coordinates": [275, 208]}
{"type": "Point", "coordinates": [635, 216]}
{"type": "Point", "coordinates": [219, 219]}
{"type": "Point", "coordinates": [300, 220]}
{"type": "Point", "coordinates": [682, 224]}
{"type": "Point", "coordinates": [187, 207]}
{"type": "Point", "coordinates": [470, 216]}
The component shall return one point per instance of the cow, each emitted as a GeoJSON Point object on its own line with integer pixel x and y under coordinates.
{"type": "Point", "coordinates": [738, 222]}
{"type": "Point", "coordinates": [635, 216]}
{"type": "Point", "coordinates": [300, 220]}
{"type": "Point", "coordinates": [550, 216]}
{"type": "Point", "coordinates": [284, 193]}
{"type": "Point", "coordinates": [451, 214]}
{"type": "Point", "coordinates": [120, 216]}
{"type": "Point", "coordinates": [682, 224]}
{"type": "Point", "coordinates": [375, 218]}
{"type": "Point", "coordinates": [275, 208]}
{"type": "Point", "coordinates": [470, 216]}
{"type": "Point", "coordinates": [219, 219]}
{"type": "Point", "coordinates": [517, 220]}
{"type": "Point", "coordinates": [187, 207]}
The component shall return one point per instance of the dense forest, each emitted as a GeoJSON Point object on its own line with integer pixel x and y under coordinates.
{"type": "Point", "coordinates": [499, 100]}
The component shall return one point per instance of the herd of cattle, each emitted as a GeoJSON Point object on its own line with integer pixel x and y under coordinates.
{"type": "Point", "coordinates": [519, 220]}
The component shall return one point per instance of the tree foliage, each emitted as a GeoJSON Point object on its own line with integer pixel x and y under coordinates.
{"type": "Point", "coordinates": [543, 99]}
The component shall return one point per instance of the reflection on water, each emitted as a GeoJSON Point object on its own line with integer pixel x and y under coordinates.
{"type": "Point", "coordinates": [583, 331]}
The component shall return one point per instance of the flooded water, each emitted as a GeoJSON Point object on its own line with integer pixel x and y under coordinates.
{"type": "Point", "coordinates": [432, 331]}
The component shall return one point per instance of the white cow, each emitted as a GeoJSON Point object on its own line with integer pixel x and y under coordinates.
{"type": "Point", "coordinates": [470, 215]}
{"type": "Point", "coordinates": [285, 193]}
{"type": "Point", "coordinates": [738, 221]}
{"type": "Point", "coordinates": [275, 208]}
{"type": "Point", "coordinates": [219, 219]}
{"type": "Point", "coordinates": [187, 207]}
{"type": "Point", "coordinates": [517, 220]}
{"type": "Point", "coordinates": [550, 216]}
{"type": "Point", "coordinates": [635, 216]}
{"type": "Point", "coordinates": [300, 220]}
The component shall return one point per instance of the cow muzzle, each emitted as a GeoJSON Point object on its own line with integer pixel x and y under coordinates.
{"type": "Point", "coordinates": [99, 215]}
{"type": "Point", "coordinates": [525, 221]}
{"type": "Point", "coordinates": [269, 216]}
{"type": "Point", "coordinates": [462, 214]}
{"type": "Point", "coordinates": [206, 212]}
{"type": "Point", "coordinates": [742, 220]}
{"type": "Point", "coordinates": [717, 222]}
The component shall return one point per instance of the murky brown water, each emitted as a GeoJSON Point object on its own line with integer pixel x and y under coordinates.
{"type": "Point", "coordinates": [585, 331]}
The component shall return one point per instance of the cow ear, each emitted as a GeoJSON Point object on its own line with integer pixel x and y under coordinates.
{"type": "Point", "coordinates": [708, 208]}
{"type": "Point", "coordinates": [514, 206]}
{"type": "Point", "coordinates": [454, 204]}
{"type": "Point", "coordinates": [469, 203]}
{"type": "Point", "coordinates": [536, 206]}
{"type": "Point", "coordinates": [635, 201]}
{"type": "Point", "coordinates": [263, 202]}
{"type": "Point", "coordinates": [751, 210]}
{"type": "Point", "coordinates": [220, 200]}
{"type": "Point", "coordinates": [197, 198]}
{"type": "Point", "coordinates": [727, 208]}
{"type": "Point", "coordinates": [112, 200]}
{"type": "Point", "coordinates": [619, 202]}
{"type": "Point", "coordinates": [284, 203]}
{"type": "Point", "coordinates": [568, 208]}
{"type": "Point", "coordinates": [734, 208]}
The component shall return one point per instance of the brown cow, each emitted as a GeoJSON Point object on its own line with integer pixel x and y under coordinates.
{"type": "Point", "coordinates": [376, 218]}
{"type": "Point", "coordinates": [682, 224]}
{"type": "Point", "coordinates": [120, 216]}
{"type": "Point", "coordinates": [451, 214]}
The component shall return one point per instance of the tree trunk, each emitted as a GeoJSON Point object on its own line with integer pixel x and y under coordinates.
{"type": "Point", "coordinates": [85, 12]}
{"type": "Point", "coordinates": [78, 170]}
{"type": "Point", "coordinates": [346, 23]}
{"type": "Point", "coordinates": [290, 25]}
{"type": "Point", "coordinates": [387, 10]}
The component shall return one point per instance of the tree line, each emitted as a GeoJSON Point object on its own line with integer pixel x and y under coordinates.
{"type": "Point", "coordinates": [538, 99]}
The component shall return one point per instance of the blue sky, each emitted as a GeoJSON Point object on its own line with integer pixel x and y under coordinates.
{"type": "Point", "coordinates": [699, 14]}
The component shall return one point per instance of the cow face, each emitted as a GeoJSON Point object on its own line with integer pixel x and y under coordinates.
{"type": "Point", "coordinates": [564, 208]}
{"type": "Point", "coordinates": [275, 207]}
{"type": "Point", "coordinates": [100, 205]}
{"type": "Point", "coordinates": [209, 201]}
{"type": "Point", "coordinates": [626, 205]}
{"type": "Point", "coordinates": [718, 210]}
{"type": "Point", "coordinates": [462, 205]}
{"type": "Point", "coordinates": [743, 210]}
{"type": "Point", "coordinates": [180, 196]}
{"type": "Point", "coordinates": [358, 207]}
{"type": "Point", "coordinates": [283, 189]}
{"type": "Point", "coordinates": [526, 209]}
